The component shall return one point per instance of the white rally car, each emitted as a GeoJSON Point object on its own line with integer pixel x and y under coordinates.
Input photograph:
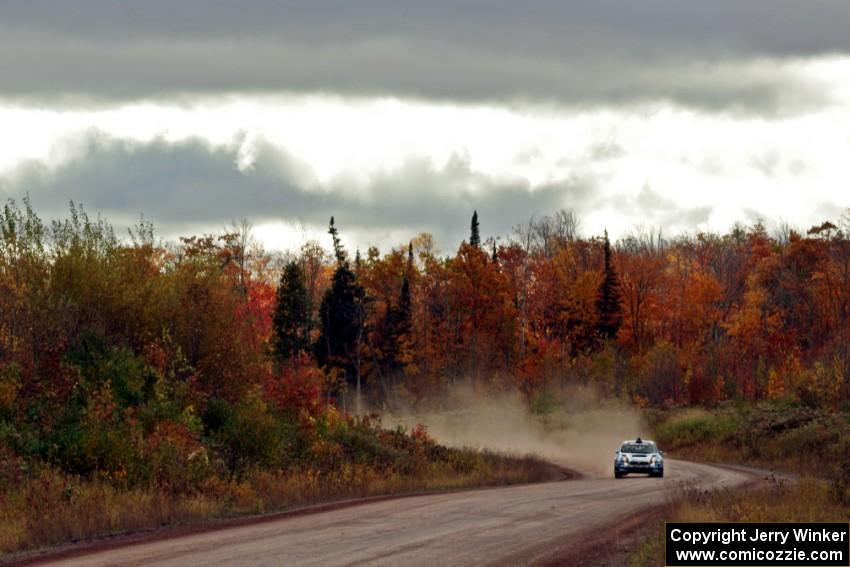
{"type": "Point", "coordinates": [638, 456]}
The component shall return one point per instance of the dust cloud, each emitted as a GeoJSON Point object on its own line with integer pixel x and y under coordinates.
{"type": "Point", "coordinates": [581, 434]}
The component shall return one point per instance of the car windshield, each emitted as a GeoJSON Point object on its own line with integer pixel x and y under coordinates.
{"type": "Point", "coordinates": [642, 448]}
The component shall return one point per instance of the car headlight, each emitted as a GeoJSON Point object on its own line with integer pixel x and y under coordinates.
{"type": "Point", "coordinates": [624, 459]}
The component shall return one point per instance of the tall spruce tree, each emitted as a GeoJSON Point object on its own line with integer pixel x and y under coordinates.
{"type": "Point", "coordinates": [474, 234]}
{"type": "Point", "coordinates": [608, 302]}
{"type": "Point", "coordinates": [404, 303]}
{"type": "Point", "coordinates": [339, 251]}
{"type": "Point", "coordinates": [292, 314]}
{"type": "Point", "coordinates": [341, 321]}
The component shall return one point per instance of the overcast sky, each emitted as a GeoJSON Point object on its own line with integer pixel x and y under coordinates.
{"type": "Point", "coordinates": [403, 117]}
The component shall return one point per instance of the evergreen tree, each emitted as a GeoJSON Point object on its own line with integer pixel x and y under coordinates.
{"type": "Point", "coordinates": [291, 323]}
{"type": "Point", "coordinates": [404, 303]}
{"type": "Point", "coordinates": [341, 321]}
{"type": "Point", "coordinates": [474, 234]}
{"type": "Point", "coordinates": [339, 252]}
{"type": "Point", "coordinates": [608, 301]}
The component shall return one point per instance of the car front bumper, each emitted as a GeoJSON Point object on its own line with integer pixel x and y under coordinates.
{"type": "Point", "coordinates": [639, 468]}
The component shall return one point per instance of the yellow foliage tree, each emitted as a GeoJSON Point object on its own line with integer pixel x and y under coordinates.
{"type": "Point", "coordinates": [775, 385]}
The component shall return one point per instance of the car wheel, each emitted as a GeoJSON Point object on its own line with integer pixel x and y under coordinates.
{"type": "Point", "coordinates": [618, 474]}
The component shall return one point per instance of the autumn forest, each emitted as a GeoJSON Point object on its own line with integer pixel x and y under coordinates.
{"type": "Point", "coordinates": [189, 374]}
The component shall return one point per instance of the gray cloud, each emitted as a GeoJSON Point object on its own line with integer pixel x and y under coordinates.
{"type": "Point", "coordinates": [179, 185]}
{"type": "Point", "coordinates": [655, 210]}
{"type": "Point", "coordinates": [572, 52]}
{"type": "Point", "coordinates": [832, 212]}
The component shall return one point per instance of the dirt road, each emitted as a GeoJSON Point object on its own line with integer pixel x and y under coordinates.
{"type": "Point", "coordinates": [503, 526]}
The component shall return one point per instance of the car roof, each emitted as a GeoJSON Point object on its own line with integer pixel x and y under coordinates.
{"type": "Point", "coordinates": [642, 441]}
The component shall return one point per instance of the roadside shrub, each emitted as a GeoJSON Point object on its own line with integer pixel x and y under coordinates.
{"type": "Point", "coordinates": [176, 459]}
{"type": "Point", "coordinates": [246, 434]}
{"type": "Point", "coordinates": [810, 439]}
{"type": "Point", "coordinates": [12, 467]}
{"type": "Point", "coordinates": [99, 437]}
{"type": "Point", "coordinates": [691, 427]}
{"type": "Point", "coordinates": [839, 485]}
{"type": "Point", "coordinates": [770, 434]}
{"type": "Point", "coordinates": [10, 385]}
{"type": "Point", "coordinates": [295, 390]}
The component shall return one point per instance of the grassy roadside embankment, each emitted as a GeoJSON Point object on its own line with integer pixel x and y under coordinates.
{"type": "Point", "coordinates": [812, 444]}
{"type": "Point", "coordinates": [42, 506]}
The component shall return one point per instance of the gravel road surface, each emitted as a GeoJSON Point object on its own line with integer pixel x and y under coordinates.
{"type": "Point", "coordinates": [500, 526]}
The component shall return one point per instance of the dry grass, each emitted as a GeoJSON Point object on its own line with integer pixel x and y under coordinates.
{"type": "Point", "coordinates": [808, 500]}
{"type": "Point", "coordinates": [786, 438]}
{"type": "Point", "coordinates": [54, 508]}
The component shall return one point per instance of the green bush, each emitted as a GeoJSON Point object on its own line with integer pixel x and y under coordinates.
{"type": "Point", "coordinates": [693, 427]}
{"type": "Point", "coordinates": [246, 434]}
{"type": "Point", "coordinates": [790, 437]}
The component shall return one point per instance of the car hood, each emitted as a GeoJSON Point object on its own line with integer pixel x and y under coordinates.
{"type": "Point", "coordinates": [640, 456]}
